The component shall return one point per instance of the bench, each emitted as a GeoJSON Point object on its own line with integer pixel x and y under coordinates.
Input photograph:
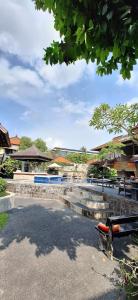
{"type": "Point", "coordinates": [130, 226]}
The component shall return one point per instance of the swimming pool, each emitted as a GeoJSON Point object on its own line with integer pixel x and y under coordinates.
{"type": "Point", "coordinates": [52, 179]}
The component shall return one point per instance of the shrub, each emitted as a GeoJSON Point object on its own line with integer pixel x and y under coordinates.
{"type": "Point", "coordinates": [98, 172]}
{"type": "Point", "coordinates": [129, 278]}
{"type": "Point", "coordinates": [9, 166]}
{"type": "Point", "coordinates": [2, 185]}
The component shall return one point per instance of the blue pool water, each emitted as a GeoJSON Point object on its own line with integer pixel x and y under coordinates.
{"type": "Point", "coordinates": [48, 179]}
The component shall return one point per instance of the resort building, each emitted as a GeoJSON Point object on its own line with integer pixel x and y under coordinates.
{"type": "Point", "coordinates": [11, 147]}
{"type": "Point", "coordinates": [15, 143]}
{"type": "Point", "coordinates": [126, 164]}
{"type": "Point", "coordinates": [66, 151]}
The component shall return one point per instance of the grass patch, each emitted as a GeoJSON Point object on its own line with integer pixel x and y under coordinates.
{"type": "Point", "coordinates": [2, 194]}
{"type": "Point", "coordinates": [3, 219]}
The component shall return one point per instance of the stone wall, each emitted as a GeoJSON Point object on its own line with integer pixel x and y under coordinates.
{"type": "Point", "coordinates": [121, 205]}
{"type": "Point", "coordinates": [45, 191]}
{"type": "Point", "coordinates": [118, 204]}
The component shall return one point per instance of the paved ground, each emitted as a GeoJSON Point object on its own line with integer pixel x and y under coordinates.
{"type": "Point", "coordinates": [48, 252]}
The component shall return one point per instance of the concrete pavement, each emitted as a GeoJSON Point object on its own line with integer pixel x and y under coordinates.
{"type": "Point", "coordinates": [47, 252]}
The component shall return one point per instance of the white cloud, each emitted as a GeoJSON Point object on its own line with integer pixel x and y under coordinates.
{"type": "Point", "coordinates": [28, 115]}
{"type": "Point", "coordinates": [14, 75]}
{"type": "Point", "coordinates": [91, 70]}
{"type": "Point", "coordinates": [83, 122]}
{"type": "Point", "coordinates": [18, 83]}
{"type": "Point", "coordinates": [132, 101]}
{"type": "Point", "coordinates": [25, 31]}
{"type": "Point", "coordinates": [73, 107]}
{"type": "Point", "coordinates": [61, 76]}
{"type": "Point", "coordinates": [54, 142]}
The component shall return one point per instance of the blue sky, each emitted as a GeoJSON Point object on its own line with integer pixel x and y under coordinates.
{"type": "Point", "coordinates": [55, 103]}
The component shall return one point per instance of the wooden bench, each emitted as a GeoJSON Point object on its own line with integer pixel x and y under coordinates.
{"type": "Point", "coordinates": [130, 226]}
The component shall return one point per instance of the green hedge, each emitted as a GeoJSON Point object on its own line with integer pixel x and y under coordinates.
{"type": "Point", "coordinates": [2, 185]}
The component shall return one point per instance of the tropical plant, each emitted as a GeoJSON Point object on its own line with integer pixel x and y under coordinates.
{"type": "Point", "coordinates": [119, 119]}
{"type": "Point", "coordinates": [100, 31]}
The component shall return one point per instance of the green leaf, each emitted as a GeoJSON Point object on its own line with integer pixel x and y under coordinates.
{"type": "Point", "coordinates": [116, 50]}
{"type": "Point", "coordinates": [90, 24]}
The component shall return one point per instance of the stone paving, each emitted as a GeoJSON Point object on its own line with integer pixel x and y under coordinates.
{"type": "Point", "coordinates": [47, 252]}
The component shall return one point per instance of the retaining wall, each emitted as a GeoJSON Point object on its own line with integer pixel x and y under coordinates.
{"type": "Point", "coordinates": [45, 191]}
{"type": "Point", "coordinates": [7, 202]}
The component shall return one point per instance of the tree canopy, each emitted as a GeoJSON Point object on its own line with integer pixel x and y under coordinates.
{"type": "Point", "coordinates": [118, 119]}
{"type": "Point", "coordinates": [112, 149]}
{"type": "Point", "coordinates": [25, 142]}
{"type": "Point", "coordinates": [40, 144]}
{"type": "Point", "coordinates": [98, 31]}
{"type": "Point", "coordinates": [99, 172]}
{"type": "Point", "coordinates": [79, 158]}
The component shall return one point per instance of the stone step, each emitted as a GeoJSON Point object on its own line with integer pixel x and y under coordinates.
{"type": "Point", "coordinates": [93, 213]}
{"type": "Point", "coordinates": [92, 197]}
{"type": "Point", "coordinates": [97, 214]}
{"type": "Point", "coordinates": [95, 204]}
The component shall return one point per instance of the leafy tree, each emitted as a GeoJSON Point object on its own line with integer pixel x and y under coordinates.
{"type": "Point", "coordinates": [25, 142]}
{"type": "Point", "coordinates": [40, 144]}
{"type": "Point", "coordinates": [100, 31]}
{"type": "Point", "coordinates": [93, 171]}
{"type": "Point", "coordinates": [111, 151]}
{"type": "Point", "coordinates": [9, 166]}
{"type": "Point", "coordinates": [99, 172]}
{"type": "Point", "coordinates": [79, 158]}
{"type": "Point", "coordinates": [116, 119]}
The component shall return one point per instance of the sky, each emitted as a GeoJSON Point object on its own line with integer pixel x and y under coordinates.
{"type": "Point", "coordinates": [51, 102]}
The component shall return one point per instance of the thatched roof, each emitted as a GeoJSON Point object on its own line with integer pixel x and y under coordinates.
{"type": "Point", "coordinates": [32, 153]}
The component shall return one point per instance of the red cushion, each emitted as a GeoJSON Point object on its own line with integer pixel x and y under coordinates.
{"type": "Point", "coordinates": [103, 227]}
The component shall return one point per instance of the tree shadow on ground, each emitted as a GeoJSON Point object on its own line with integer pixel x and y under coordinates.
{"type": "Point", "coordinates": [49, 228]}
{"type": "Point", "coordinates": [110, 295]}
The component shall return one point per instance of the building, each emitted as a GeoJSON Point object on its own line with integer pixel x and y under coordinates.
{"type": "Point", "coordinates": [9, 145]}
{"type": "Point", "coordinates": [125, 164]}
{"type": "Point", "coordinates": [4, 142]}
{"type": "Point", "coordinates": [15, 143]}
{"type": "Point", "coordinates": [4, 137]}
{"type": "Point", "coordinates": [66, 151]}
